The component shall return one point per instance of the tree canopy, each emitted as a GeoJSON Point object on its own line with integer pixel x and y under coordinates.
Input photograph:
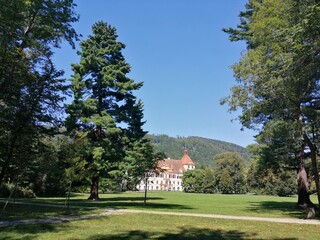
{"type": "Point", "coordinates": [31, 88]}
{"type": "Point", "coordinates": [105, 110]}
{"type": "Point", "coordinates": [278, 79]}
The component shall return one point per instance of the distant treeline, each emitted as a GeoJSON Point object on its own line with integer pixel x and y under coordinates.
{"type": "Point", "coordinates": [201, 150]}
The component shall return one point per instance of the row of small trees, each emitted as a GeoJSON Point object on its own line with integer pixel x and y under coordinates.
{"type": "Point", "coordinates": [231, 176]}
{"type": "Point", "coordinates": [102, 135]}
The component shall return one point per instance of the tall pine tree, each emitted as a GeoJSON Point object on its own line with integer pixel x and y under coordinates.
{"type": "Point", "coordinates": [104, 106]}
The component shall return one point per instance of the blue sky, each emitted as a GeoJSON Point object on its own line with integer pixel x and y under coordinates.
{"type": "Point", "coordinates": [177, 48]}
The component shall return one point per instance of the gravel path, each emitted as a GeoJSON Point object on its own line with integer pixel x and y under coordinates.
{"type": "Point", "coordinates": [109, 212]}
{"type": "Point", "coordinates": [262, 219]}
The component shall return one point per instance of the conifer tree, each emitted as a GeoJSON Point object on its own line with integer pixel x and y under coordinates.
{"type": "Point", "coordinates": [104, 106]}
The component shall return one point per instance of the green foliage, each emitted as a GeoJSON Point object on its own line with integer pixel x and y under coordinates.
{"type": "Point", "coordinates": [267, 182]}
{"type": "Point", "coordinates": [199, 181]}
{"type": "Point", "coordinates": [270, 85]}
{"type": "Point", "coordinates": [286, 184]}
{"type": "Point", "coordinates": [48, 178]}
{"type": "Point", "coordinates": [189, 181]}
{"type": "Point", "coordinates": [227, 177]}
{"type": "Point", "coordinates": [229, 173]}
{"type": "Point", "coordinates": [201, 150]}
{"type": "Point", "coordinates": [278, 82]}
{"type": "Point", "coordinates": [17, 191]}
{"type": "Point", "coordinates": [31, 88]}
{"type": "Point", "coordinates": [269, 176]}
{"type": "Point", "coordinates": [106, 113]}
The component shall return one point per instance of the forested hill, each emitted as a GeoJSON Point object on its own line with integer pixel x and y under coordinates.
{"type": "Point", "coordinates": [201, 150]}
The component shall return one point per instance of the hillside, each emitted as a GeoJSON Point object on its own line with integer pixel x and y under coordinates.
{"type": "Point", "coordinates": [201, 150]}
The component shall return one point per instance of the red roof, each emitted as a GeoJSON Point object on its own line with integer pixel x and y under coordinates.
{"type": "Point", "coordinates": [176, 166]}
{"type": "Point", "coordinates": [171, 165]}
{"type": "Point", "coordinates": [186, 160]}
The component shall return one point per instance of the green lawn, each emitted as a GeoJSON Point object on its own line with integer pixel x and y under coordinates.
{"type": "Point", "coordinates": [149, 226]}
{"type": "Point", "coordinates": [241, 205]}
{"type": "Point", "coordinates": [21, 212]}
{"type": "Point", "coordinates": [145, 226]}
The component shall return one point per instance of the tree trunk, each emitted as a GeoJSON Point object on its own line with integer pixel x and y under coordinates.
{"type": "Point", "coordinates": [303, 189]}
{"type": "Point", "coordinates": [145, 192]}
{"type": "Point", "coordinates": [313, 151]}
{"type": "Point", "coordinates": [94, 192]}
{"type": "Point", "coordinates": [302, 178]}
{"type": "Point", "coordinates": [315, 173]}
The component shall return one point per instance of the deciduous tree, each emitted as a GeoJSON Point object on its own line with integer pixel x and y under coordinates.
{"type": "Point", "coordinates": [229, 173]}
{"type": "Point", "coordinates": [31, 88]}
{"type": "Point", "coordinates": [278, 77]}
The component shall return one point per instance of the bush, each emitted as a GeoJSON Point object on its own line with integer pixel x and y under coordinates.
{"type": "Point", "coordinates": [199, 181]}
{"type": "Point", "coordinates": [270, 182]}
{"type": "Point", "coordinates": [229, 173]}
{"type": "Point", "coordinates": [7, 188]}
{"type": "Point", "coordinates": [286, 184]}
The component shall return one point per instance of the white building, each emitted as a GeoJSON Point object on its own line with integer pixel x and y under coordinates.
{"type": "Point", "coordinates": [170, 175]}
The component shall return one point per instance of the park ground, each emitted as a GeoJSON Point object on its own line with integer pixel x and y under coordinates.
{"type": "Point", "coordinates": [179, 216]}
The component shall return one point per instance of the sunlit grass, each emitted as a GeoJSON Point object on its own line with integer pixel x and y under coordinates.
{"type": "Point", "coordinates": [148, 226]}
{"type": "Point", "coordinates": [239, 205]}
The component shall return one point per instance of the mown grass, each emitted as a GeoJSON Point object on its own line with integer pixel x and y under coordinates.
{"type": "Point", "coordinates": [22, 212]}
{"type": "Point", "coordinates": [148, 226]}
{"type": "Point", "coordinates": [239, 205]}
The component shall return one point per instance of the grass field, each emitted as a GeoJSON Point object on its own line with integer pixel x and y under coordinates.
{"type": "Point", "coordinates": [148, 226]}
{"type": "Point", "coordinates": [240, 205]}
{"type": "Point", "coordinates": [144, 226]}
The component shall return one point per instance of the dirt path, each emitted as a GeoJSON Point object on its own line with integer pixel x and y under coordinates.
{"type": "Point", "coordinates": [109, 212]}
{"type": "Point", "coordinates": [262, 219]}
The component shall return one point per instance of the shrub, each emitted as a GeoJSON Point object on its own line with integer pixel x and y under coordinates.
{"type": "Point", "coordinates": [19, 191]}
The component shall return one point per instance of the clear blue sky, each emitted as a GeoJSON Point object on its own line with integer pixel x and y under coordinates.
{"type": "Point", "coordinates": [177, 48]}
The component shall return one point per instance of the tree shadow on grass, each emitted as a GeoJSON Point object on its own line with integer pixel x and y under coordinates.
{"type": "Point", "coordinates": [153, 203]}
{"type": "Point", "coordinates": [22, 212]}
{"type": "Point", "coordinates": [116, 199]}
{"type": "Point", "coordinates": [29, 232]}
{"type": "Point", "coordinates": [138, 202]}
{"type": "Point", "coordinates": [85, 201]}
{"type": "Point", "coordinates": [287, 208]}
{"type": "Point", "coordinates": [125, 202]}
{"type": "Point", "coordinates": [185, 233]}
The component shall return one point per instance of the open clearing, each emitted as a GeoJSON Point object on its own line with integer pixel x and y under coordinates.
{"type": "Point", "coordinates": [172, 215]}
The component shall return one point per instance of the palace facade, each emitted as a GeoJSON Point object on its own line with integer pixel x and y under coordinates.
{"type": "Point", "coordinates": [169, 176]}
